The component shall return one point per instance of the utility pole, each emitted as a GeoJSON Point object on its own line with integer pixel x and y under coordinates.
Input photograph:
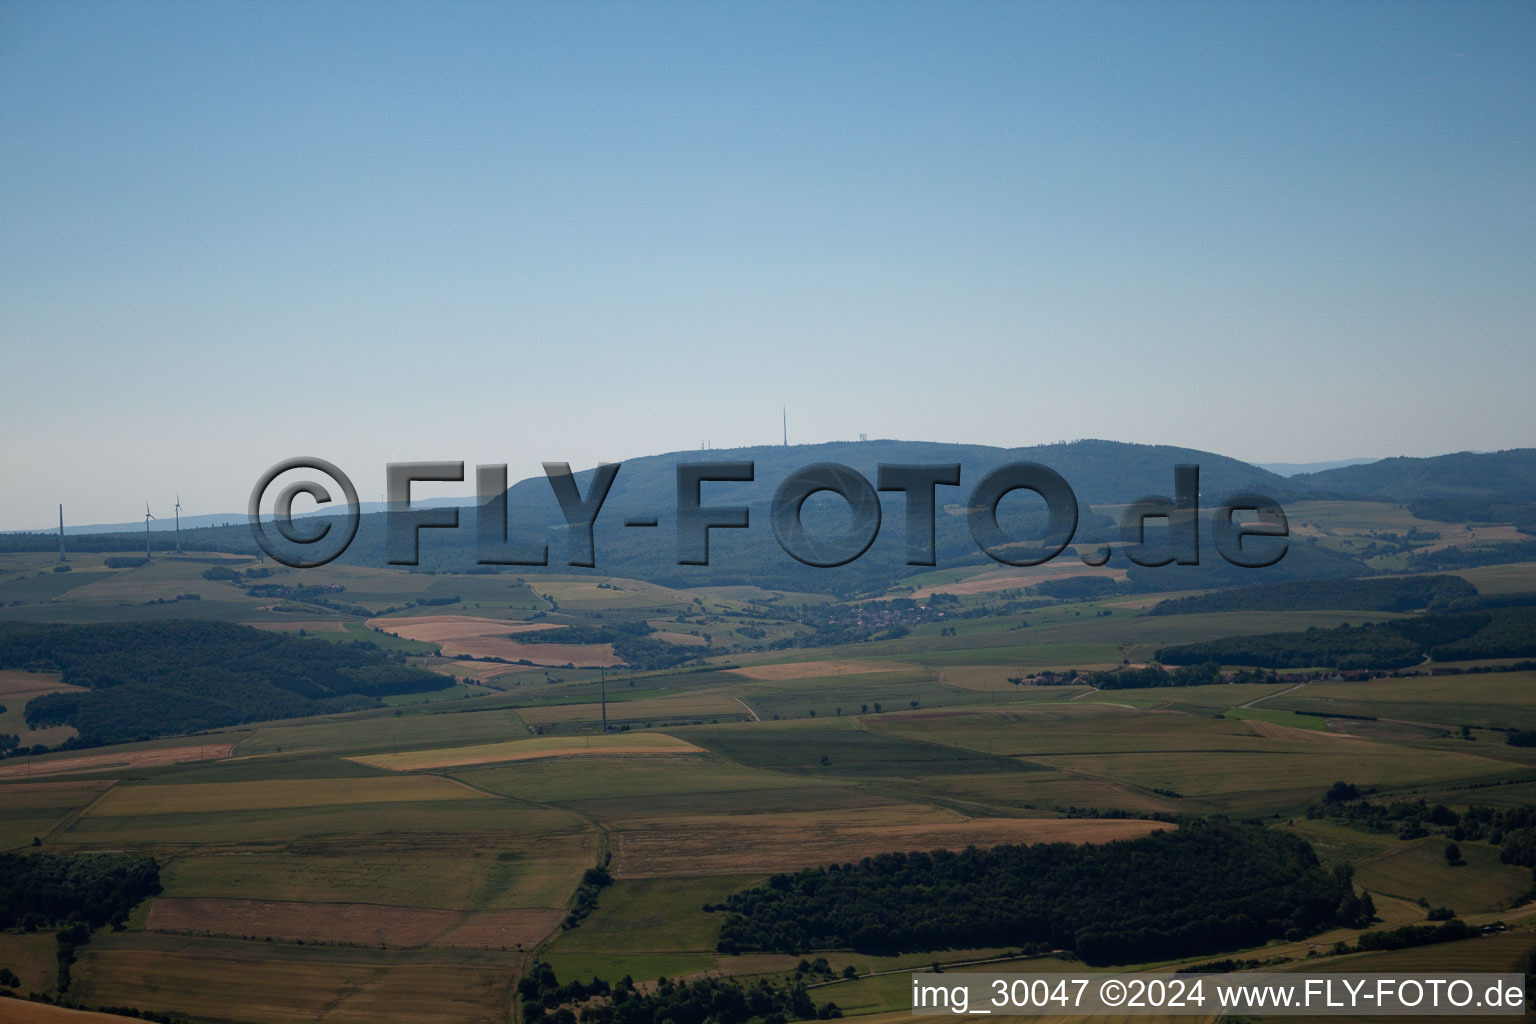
{"type": "Point", "coordinates": [604, 670]}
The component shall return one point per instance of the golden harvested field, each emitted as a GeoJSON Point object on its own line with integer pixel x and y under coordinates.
{"type": "Point", "coordinates": [819, 669]}
{"type": "Point", "coordinates": [19, 1011]}
{"type": "Point", "coordinates": [365, 924]}
{"type": "Point", "coordinates": [617, 593]}
{"type": "Point", "coordinates": [479, 671]}
{"type": "Point", "coordinates": [992, 580]}
{"type": "Point", "coordinates": [761, 843]}
{"type": "Point", "coordinates": [434, 629]}
{"type": "Point", "coordinates": [215, 797]}
{"type": "Point", "coordinates": [531, 749]}
{"type": "Point", "coordinates": [116, 761]}
{"type": "Point", "coordinates": [579, 655]}
{"type": "Point", "coordinates": [487, 638]}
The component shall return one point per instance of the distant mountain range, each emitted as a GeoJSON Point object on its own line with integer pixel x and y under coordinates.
{"type": "Point", "coordinates": [1293, 468]}
{"type": "Point", "coordinates": [1508, 475]}
{"type": "Point", "coordinates": [168, 524]}
{"type": "Point", "coordinates": [1101, 473]}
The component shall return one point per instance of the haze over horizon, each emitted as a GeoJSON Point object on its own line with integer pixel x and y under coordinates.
{"type": "Point", "coordinates": [587, 232]}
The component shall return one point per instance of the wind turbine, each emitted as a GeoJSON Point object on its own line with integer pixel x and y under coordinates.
{"type": "Point", "coordinates": [178, 522]}
{"type": "Point", "coordinates": [148, 515]}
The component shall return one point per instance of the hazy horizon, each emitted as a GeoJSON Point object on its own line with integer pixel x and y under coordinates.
{"type": "Point", "coordinates": [427, 494]}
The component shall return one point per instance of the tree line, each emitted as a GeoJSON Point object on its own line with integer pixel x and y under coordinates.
{"type": "Point", "coordinates": [1399, 643]}
{"type": "Point", "coordinates": [1382, 594]}
{"type": "Point", "coordinates": [1204, 887]}
{"type": "Point", "coordinates": [143, 680]}
{"type": "Point", "coordinates": [713, 1000]}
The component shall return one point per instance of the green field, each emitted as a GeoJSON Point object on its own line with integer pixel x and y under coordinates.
{"type": "Point", "coordinates": [459, 823]}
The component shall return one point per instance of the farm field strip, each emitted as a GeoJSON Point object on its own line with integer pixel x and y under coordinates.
{"type": "Point", "coordinates": [225, 979]}
{"type": "Point", "coordinates": [364, 924]}
{"type": "Point", "coordinates": [221, 797]}
{"type": "Point", "coordinates": [533, 748]}
{"type": "Point", "coordinates": [504, 871]}
{"type": "Point", "coordinates": [115, 761]}
{"type": "Point", "coordinates": [708, 704]}
{"type": "Point", "coordinates": [817, 669]}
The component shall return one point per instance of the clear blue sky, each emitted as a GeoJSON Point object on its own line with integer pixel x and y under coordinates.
{"type": "Point", "coordinates": [235, 232]}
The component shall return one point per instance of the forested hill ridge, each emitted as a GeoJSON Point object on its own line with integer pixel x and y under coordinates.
{"type": "Point", "coordinates": [1099, 472]}
{"type": "Point", "coordinates": [1491, 487]}
{"type": "Point", "coordinates": [145, 679]}
{"type": "Point", "coordinates": [1498, 487]}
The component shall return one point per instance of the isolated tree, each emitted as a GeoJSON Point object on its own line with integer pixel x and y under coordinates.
{"type": "Point", "coordinates": [1452, 854]}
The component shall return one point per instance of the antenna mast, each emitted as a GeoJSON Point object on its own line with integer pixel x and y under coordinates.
{"type": "Point", "coordinates": [785, 410]}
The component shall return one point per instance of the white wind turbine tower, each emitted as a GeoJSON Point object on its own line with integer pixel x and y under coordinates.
{"type": "Point", "coordinates": [178, 522]}
{"type": "Point", "coordinates": [147, 517]}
